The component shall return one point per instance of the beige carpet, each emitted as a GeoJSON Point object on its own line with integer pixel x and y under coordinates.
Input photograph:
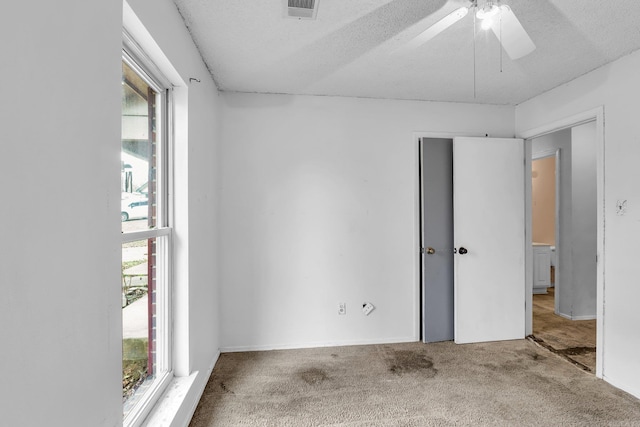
{"type": "Point", "coordinates": [513, 383]}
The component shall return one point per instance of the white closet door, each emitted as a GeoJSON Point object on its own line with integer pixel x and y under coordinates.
{"type": "Point", "coordinates": [489, 191]}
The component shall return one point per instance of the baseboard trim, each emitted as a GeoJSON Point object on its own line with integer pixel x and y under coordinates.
{"type": "Point", "coordinates": [294, 346]}
{"type": "Point", "coordinates": [587, 317]}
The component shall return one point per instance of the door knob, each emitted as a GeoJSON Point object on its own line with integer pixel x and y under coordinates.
{"type": "Point", "coordinates": [462, 251]}
{"type": "Point", "coordinates": [431, 251]}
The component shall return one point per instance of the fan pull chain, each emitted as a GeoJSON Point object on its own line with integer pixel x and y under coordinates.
{"type": "Point", "coordinates": [501, 49]}
{"type": "Point", "coordinates": [474, 55]}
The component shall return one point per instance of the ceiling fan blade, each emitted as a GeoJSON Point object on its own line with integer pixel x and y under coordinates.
{"type": "Point", "coordinates": [437, 28]}
{"type": "Point", "coordinates": [515, 40]}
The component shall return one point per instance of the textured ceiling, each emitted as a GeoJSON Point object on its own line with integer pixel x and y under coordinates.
{"type": "Point", "coordinates": [355, 47]}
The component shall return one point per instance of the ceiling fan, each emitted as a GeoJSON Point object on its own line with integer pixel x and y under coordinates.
{"type": "Point", "coordinates": [492, 15]}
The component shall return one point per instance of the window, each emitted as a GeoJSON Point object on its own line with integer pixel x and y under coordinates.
{"type": "Point", "coordinates": [146, 236]}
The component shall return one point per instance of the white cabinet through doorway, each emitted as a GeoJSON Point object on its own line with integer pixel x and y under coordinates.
{"type": "Point", "coordinates": [541, 267]}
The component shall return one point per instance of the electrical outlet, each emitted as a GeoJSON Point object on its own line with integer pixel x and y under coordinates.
{"type": "Point", "coordinates": [342, 308]}
{"type": "Point", "coordinates": [367, 308]}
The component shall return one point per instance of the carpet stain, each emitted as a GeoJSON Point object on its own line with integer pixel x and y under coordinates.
{"type": "Point", "coordinates": [577, 351]}
{"type": "Point", "coordinates": [404, 362]}
{"type": "Point", "coordinates": [531, 355]}
{"type": "Point", "coordinates": [313, 376]}
{"type": "Point", "coordinates": [335, 356]}
{"type": "Point", "coordinates": [224, 388]}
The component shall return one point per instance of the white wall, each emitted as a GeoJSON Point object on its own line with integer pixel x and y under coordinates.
{"type": "Point", "coordinates": [583, 222]}
{"type": "Point", "coordinates": [617, 88]}
{"type": "Point", "coordinates": [60, 308]}
{"type": "Point", "coordinates": [319, 206]}
{"type": "Point", "coordinates": [60, 302]}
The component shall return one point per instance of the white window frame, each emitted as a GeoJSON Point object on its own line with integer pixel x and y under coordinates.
{"type": "Point", "coordinates": [135, 57]}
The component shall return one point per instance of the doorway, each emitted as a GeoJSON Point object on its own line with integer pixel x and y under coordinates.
{"type": "Point", "coordinates": [564, 235]}
{"type": "Point", "coordinates": [565, 313]}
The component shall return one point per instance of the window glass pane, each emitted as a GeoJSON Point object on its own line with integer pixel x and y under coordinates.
{"type": "Point", "coordinates": [139, 282]}
{"type": "Point", "coordinates": [139, 157]}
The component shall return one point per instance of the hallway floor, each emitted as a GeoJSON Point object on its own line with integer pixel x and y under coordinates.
{"type": "Point", "coordinates": [572, 339]}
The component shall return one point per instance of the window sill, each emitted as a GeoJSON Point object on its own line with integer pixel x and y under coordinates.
{"type": "Point", "coordinates": [170, 410]}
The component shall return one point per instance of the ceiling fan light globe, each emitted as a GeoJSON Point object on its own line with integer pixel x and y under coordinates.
{"type": "Point", "coordinates": [486, 23]}
{"type": "Point", "coordinates": [488, 11]}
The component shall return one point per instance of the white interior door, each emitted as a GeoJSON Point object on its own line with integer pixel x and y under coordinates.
{"type": "Point", "coordinates": [489, 237]}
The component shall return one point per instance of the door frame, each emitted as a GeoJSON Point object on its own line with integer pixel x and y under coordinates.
{"type": "Point", "coordinates": [417, 136]}
{"type": "Point", "coordinates": [597, 115]}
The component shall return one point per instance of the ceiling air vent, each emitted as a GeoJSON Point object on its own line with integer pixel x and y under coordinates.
{"type": "Point", "coordinates": [302, 9]}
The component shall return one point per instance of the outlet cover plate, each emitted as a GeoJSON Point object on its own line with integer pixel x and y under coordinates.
{"type": "Point", "coordinates": [342, 308]}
